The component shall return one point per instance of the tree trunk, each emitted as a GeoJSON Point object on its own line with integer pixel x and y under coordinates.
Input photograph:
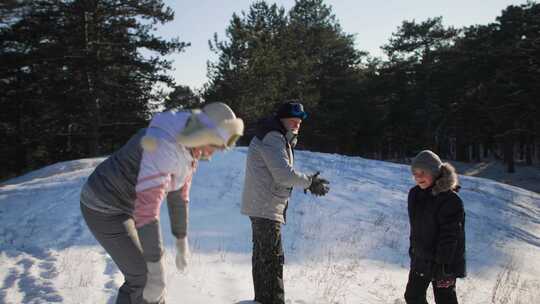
{"type": "Point", "coordinates": [528, 155]}
{"type": "Point", "coordinates": [21, 156]}
{"type": "Point", "coordinates": [521, 150]}
{"type": "Point", "coordinates": [529, 147]}
{"type": "Point", "coordinates": [476, 152]}
{"type": "Point", "coordinates": [461, 150]}
{"type": "Point", "coordinates": [509, 152]}
{"type": "Point", "coordinates": [537, 152]}
{"type": "Point", "coordinates": [92, 99]}
{"type": "Point", "coordinates": [385, 151]}
{"type": "Point", "coordinates": [487, 146]}
{"type": "Point", "coordinates": [452, 148]}
{"type": "Point", "coordinates": [21, 159]}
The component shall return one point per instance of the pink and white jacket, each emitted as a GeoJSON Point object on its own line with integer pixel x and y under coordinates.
{"type": "Point", "coordinates": [135, 181]}
{"type": "Point", "coordinates": [167, 168]}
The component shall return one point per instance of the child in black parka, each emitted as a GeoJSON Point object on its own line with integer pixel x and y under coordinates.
{"type": "Point", "coordinates": [437, 226]}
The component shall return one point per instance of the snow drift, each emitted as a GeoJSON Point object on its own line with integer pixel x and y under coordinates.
{"type": "Point", "coordinates": [348, 247]}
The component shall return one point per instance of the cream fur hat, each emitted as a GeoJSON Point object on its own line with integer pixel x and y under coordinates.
{"type": "Point", "coordinates": [215, 125]}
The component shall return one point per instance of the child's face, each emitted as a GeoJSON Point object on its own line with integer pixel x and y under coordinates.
{"type": "Point", "coordinates": [422, 178]}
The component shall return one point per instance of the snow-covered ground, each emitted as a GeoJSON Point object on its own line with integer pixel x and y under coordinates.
{"type": "Point", "coordinates": [526, 177]}
{"type": "Point", "coordinates": [348, 247]}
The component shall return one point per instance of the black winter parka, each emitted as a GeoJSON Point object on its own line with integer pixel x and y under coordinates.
{"type": "Point", "coordinates": [437, 230]}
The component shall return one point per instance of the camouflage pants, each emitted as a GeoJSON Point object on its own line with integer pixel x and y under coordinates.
{"type": "Point", "coordinates": [267, 261]}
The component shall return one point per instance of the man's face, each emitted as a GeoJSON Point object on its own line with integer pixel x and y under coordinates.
{"type": "Point", "coordinates": [422, 178]}
{"type": "Point", "coordinates": [292, 124]}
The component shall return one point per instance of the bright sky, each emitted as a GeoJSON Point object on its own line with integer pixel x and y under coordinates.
{"type": "Point", "coordinates": [371, 21]}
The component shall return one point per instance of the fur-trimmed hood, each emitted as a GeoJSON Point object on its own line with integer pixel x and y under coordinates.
{"type": "Point", "coordinates": [447, 180]}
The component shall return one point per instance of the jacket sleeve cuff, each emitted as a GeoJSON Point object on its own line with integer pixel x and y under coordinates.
{"type": "Point", "coordinates": [151, 244]}
{"type": "Point", "coordinates": [178, 213]}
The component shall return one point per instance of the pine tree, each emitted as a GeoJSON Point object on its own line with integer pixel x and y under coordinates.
{"type": "Point", "coordinates": [182, 97]}
{"type": "Point", "coordinates": [270, 57]}
{"type": "Point", "coordinates": [78, 83]}
{"type": "Point", "coordinates": [250, 72]}
{"type": "Point", "coordinates": [414, 55]}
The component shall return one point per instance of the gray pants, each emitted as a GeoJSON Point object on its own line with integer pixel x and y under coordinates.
{"type": "Point", "coordinates": [118, 235]}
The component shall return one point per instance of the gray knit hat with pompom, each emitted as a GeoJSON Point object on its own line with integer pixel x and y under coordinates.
{"type": "Point", "coordinates": [428, 161]}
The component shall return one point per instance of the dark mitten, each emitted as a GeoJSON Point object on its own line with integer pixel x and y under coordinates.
{"type": "Point", "coordinates": [446, 283]}
{"type": "Point", "coordinates": [319, 186]}
{"type": "Point", "coordinates": [442, 278]}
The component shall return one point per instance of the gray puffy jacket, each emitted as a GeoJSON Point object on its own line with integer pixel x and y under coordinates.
{"type": "Point", "coordinates": [270, 175]}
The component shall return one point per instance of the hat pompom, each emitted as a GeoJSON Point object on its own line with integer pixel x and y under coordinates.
{"type": "Point", "coordinates": [149, 143]}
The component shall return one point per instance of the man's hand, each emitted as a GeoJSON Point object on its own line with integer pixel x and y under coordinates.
{"type": "Point", "coordinates": [182, 253]}
{"type": "Point", "coordinates": [318, 185]}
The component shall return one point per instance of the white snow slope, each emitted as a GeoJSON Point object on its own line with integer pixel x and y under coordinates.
{"type": "Point", "coordinates": [348, 247]}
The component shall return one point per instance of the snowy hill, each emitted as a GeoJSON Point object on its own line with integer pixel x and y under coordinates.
{"type": "Point", "coordinates": [348, 247]}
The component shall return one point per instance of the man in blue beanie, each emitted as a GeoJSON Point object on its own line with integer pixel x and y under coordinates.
{"type": "Point", "coordinates": [270, 177]}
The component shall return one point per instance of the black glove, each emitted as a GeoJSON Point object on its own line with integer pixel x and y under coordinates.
{"type": "Point", "coordinates": [318, 185]}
